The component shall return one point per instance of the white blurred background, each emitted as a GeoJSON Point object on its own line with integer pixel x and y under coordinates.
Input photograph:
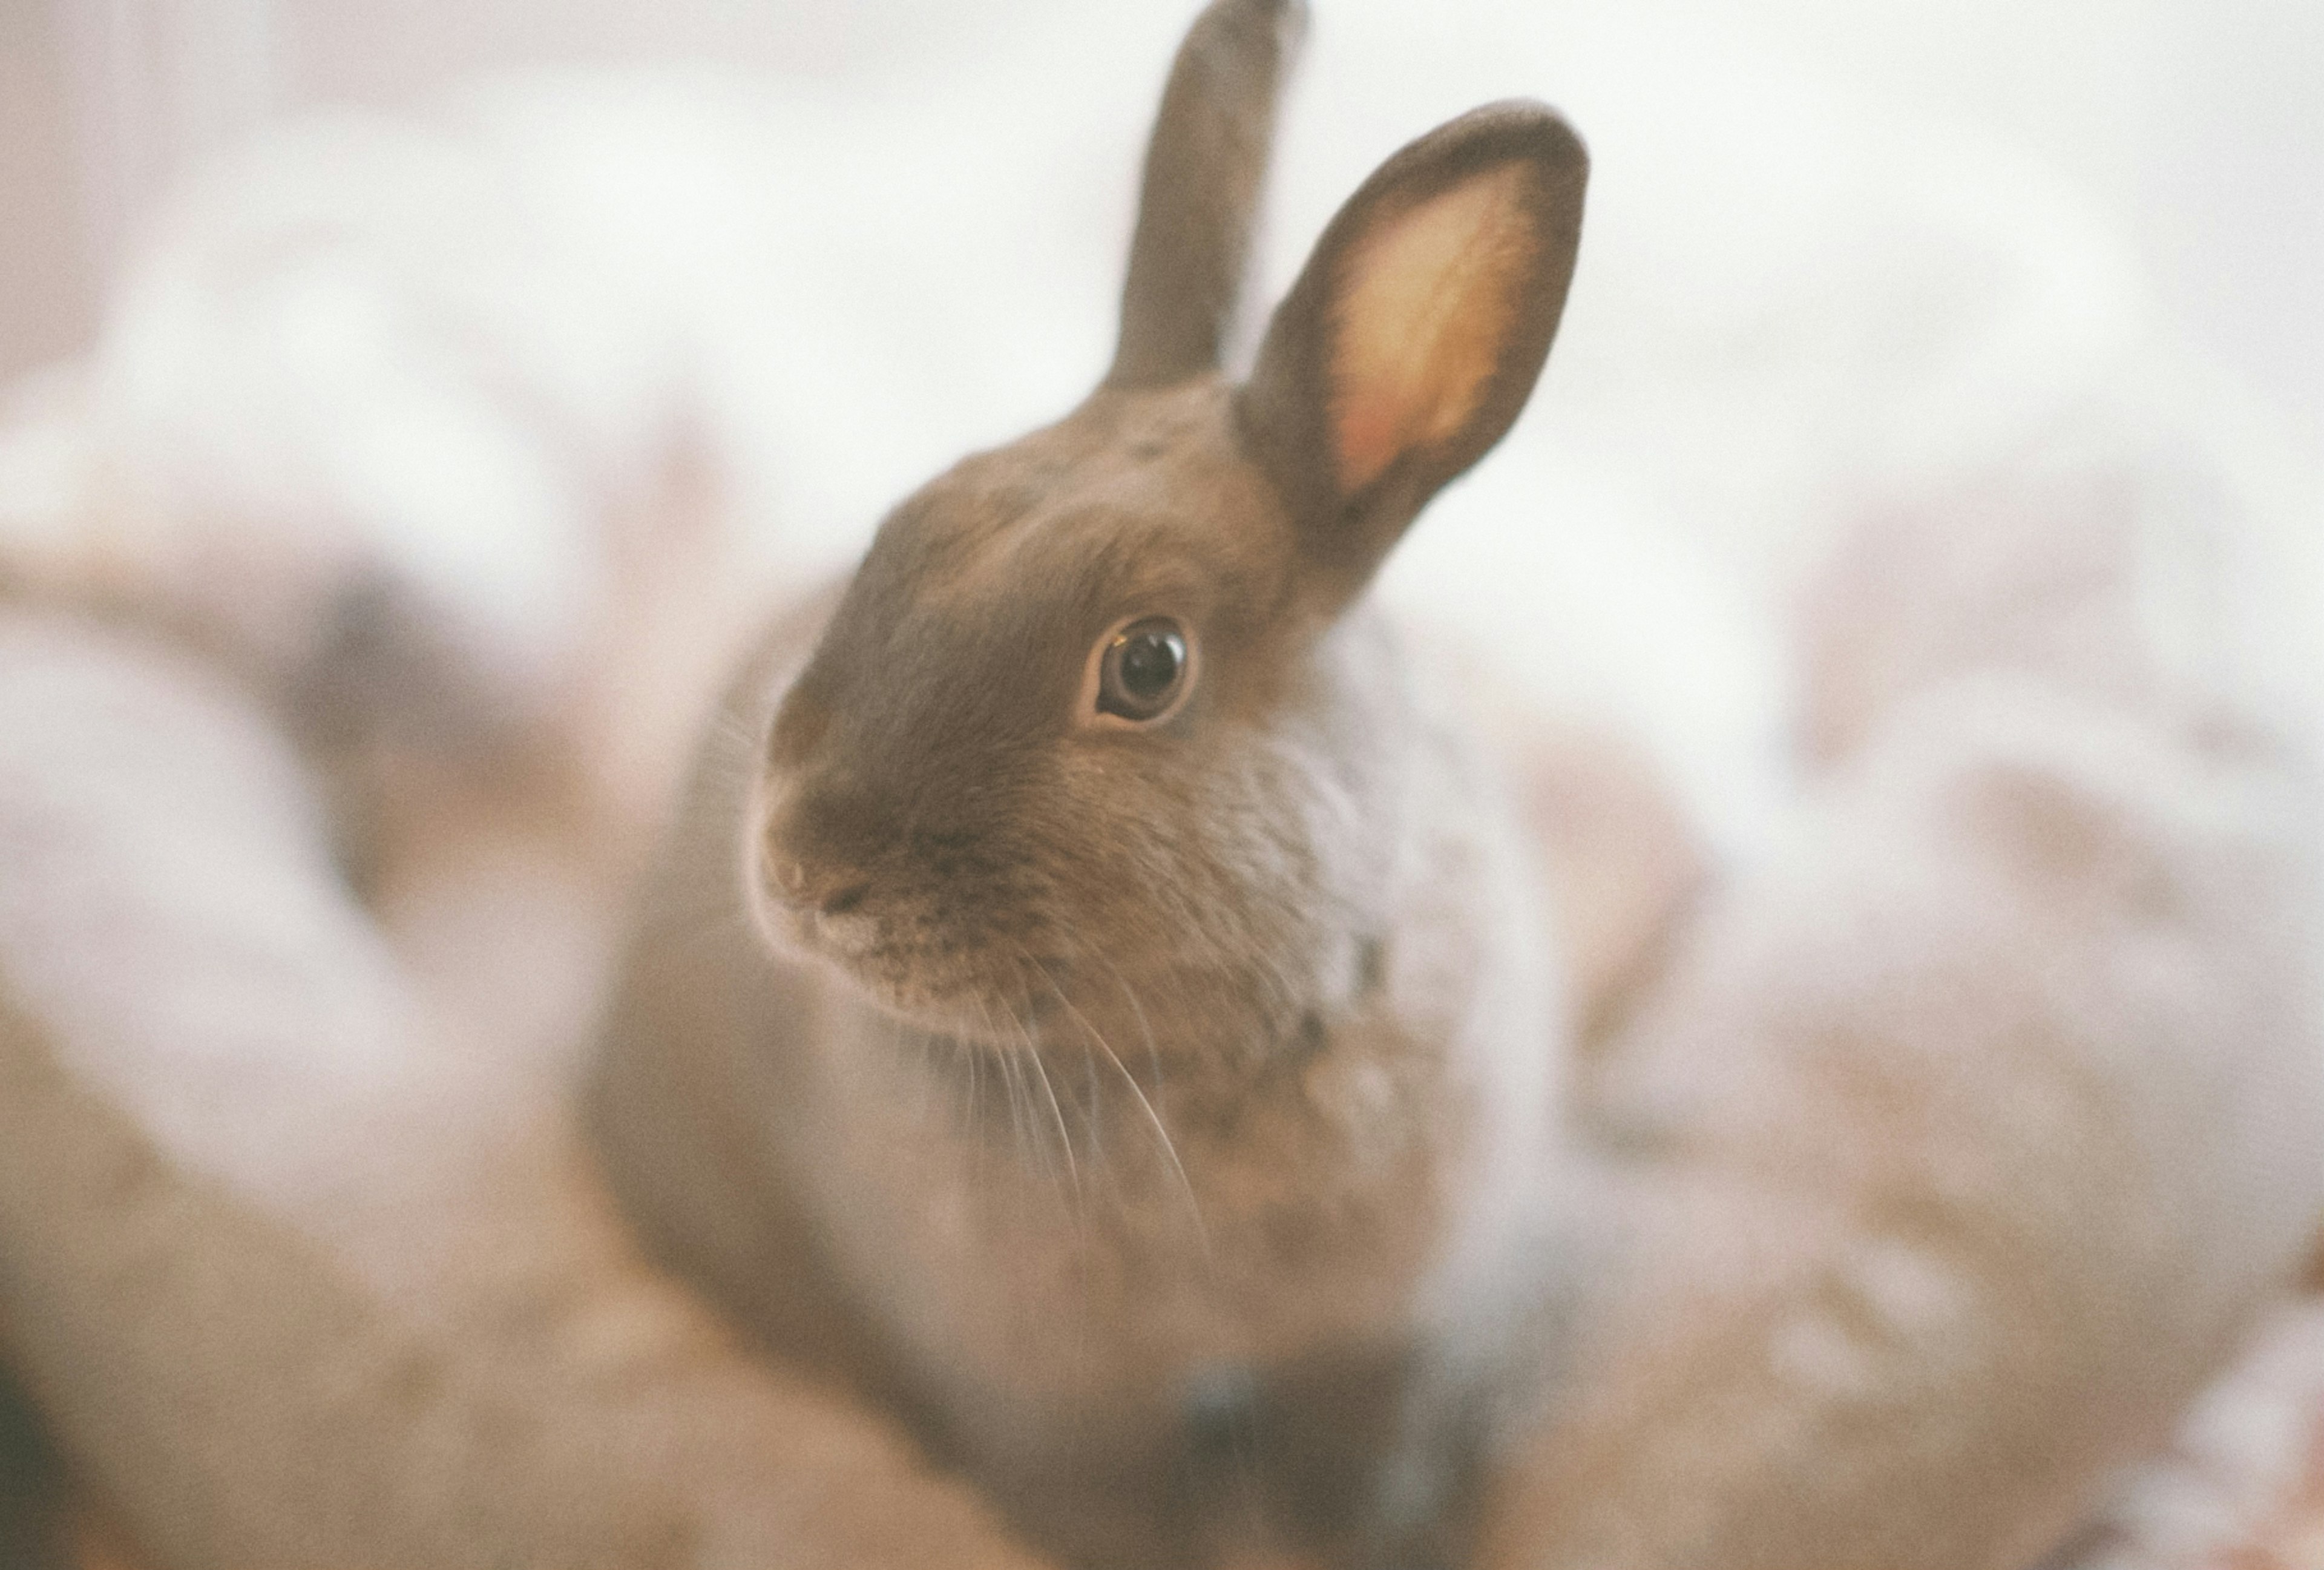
{"type": "Point", "coordinates": [451, 279]}
{"type": "Point", "coordinates": [2197, 125]}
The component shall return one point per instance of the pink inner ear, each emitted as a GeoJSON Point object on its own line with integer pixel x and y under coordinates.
{"type": "Point", "coordinates": [1426, 302]}
{"type": "Point", "coordinates": [1370, 433]}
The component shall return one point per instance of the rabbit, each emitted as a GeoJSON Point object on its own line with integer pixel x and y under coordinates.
{"type": "Point", "coordinates": [1099, 849]}
{"type": "Point", "coordinates": [1100, 1003]}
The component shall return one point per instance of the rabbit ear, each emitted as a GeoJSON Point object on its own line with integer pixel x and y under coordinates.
{"type": "Point", "coordinates": [1414, 334]}
{"type": "Point", "coordinates": [1204, 169]}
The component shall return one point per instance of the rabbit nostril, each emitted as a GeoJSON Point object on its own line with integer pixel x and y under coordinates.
{"type": "Point", "coordinates": [788, 879]}
{"type": "Point", "coordinates": [803, 885]}
{"type": "Point", "coordinates": [840, 902]}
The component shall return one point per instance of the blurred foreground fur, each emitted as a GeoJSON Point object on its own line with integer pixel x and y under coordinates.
{"type": "Point", "coordinates": [1933, 1161]}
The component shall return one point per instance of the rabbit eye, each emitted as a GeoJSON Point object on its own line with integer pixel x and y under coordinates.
{"type": "Point", "coordinates": [1143, 670]}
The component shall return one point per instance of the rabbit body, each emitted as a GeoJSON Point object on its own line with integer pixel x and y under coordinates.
{"type": "Point", "coordinates": [1162, 1243]}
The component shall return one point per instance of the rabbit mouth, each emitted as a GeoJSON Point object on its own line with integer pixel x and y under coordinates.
{"type": "Point", "coordinates": [967, 1003]}
{"type": "Point", "coordinates": [993, 994]}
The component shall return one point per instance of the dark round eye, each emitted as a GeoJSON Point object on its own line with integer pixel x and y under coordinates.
{"type": "Point", "coordinates": [1143, 670]}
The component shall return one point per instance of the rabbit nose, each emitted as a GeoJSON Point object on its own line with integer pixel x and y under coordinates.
{"type": "Point", "coordinates": [834, 891]}
{"type": "Point", "coordinates": [845, 896]}
{"type": "Point", "coordinates": [819, 843]}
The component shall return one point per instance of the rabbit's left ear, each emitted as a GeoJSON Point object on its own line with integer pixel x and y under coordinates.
{"type": "Point", "coordinates": [1204, 169]}
{"type": "Point", "coordinates": [1416, 331]}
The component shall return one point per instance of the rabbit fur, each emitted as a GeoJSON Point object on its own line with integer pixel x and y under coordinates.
{"type": "Point", "coordinates": [1921, 1175]}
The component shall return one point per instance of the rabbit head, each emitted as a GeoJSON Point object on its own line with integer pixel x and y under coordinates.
{"type": "Point", "coordinates": [1102, 722]}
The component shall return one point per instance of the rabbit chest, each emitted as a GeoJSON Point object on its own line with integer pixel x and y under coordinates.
{"type": "Point", "coordinates": [1126, 1298]}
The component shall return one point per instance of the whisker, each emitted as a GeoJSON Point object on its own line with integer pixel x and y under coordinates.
{"type": "Point", "coordinates": [1027, 1124]}
{"type": "Point", "coordinates": [1057, 1113]}
{"type": "Point", "coordinates": [975, 1110]}
{"type": "Point", "coordinates": [1064, 1136]}
{"type": "Point", "coordinates": [1153, 1118]}
{"type": "Point", "coordinates": [1012, 1075]}
{"type": "Point", "coordinates": [930, 1067]}
{"type": "Point", "coordinates": [1089, 1098]}
{"type": "Point", "coordinates": [1138, 1012]}
{"type": "Point", "coordinates": [1080, 1347]}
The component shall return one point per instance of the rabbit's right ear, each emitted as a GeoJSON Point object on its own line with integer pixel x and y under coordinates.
{"type": "Point", "coordinates": [1203, 169]}
{"type": "Point", "coordinates": [1414, 334]}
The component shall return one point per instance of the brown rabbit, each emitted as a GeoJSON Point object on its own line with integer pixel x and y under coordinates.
{"type": "Point", "coordinates": [1099, 1003]}
{"type": "Point", "coordinates": [1096, 997]}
